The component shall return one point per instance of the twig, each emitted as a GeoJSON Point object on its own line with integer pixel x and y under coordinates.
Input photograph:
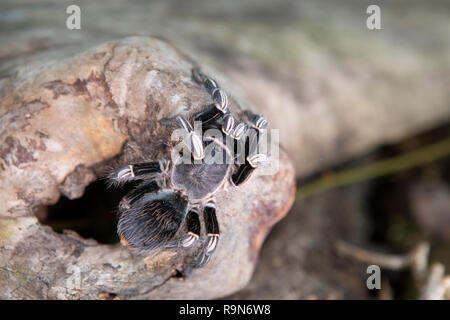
{"type": "Point", "coordinates": [381, 168]}
{"type": "Point", "coordinates": [437, 286]}
{"type": "Point", "coordinates": [416, 259]}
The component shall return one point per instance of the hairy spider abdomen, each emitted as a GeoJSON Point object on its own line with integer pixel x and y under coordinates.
{"type": "Point", "coordinates": [153, 220]}
{"type": "Point", "coordinates": [199, 180]}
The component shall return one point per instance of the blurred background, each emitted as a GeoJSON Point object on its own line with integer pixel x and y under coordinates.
{"type": "Point", "coordinates": [364, 115]}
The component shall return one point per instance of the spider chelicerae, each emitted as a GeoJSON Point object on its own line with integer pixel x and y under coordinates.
{"type": "Point", "coordinates": [172, 194]}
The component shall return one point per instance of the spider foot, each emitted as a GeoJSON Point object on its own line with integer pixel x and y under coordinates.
{"type": "Point", "coordinates": [245, 170]}
{"type": "Point", "coordinates": [137, 171]}
{"type": "Point", "coordinates": [193, 231]}
{"type": "Point", "coordinates": [207, 252]}
{"type": "Point", "coordinates": [192, 138]}
{"type": "Point", "coordinates": [212, 232]}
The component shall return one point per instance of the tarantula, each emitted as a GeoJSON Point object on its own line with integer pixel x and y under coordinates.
{"type": "Point", "coordinates": [170, 194]}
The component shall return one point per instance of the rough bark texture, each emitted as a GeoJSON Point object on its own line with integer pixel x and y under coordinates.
{"type": "Point", "coordinates": [62, 120]}
{"type": "Point", "coordinates": [334, 88]}
{"type": "Point", "coordinates": [299, 259]}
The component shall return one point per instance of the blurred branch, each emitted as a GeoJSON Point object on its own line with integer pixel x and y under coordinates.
{"type": "Point", "coordinates": [437, 286]}
{"type": "Point", "coordinates": [374, 170]}
{"type": "Point", "coordinates": [417, 259]}
{"type": "Point", "coordinates": [434, 283]}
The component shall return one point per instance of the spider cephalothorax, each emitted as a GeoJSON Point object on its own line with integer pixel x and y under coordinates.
{"type": "Point", "coordinates": [172, 194]}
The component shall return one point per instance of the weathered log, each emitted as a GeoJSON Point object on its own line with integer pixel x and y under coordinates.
{"type": "Point", "coordinates": [64, 121]}
{"type": "Point", "coordinates": [335, 88]}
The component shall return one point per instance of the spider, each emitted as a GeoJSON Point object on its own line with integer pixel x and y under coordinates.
{"type": "Point", "coordinates": [173, 194]}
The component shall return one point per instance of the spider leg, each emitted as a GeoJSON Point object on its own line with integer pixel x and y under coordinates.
{"type": "Point", "coordinates": [193, 228]}
{"type": "Point", "coordinates": [198, 76]}
{"type": "Point", "coordinates": [245, 170]}
{"type": "Point", "coordinates": [209, 83]}
{"type": "Point", "coordinates": [219, 107]}
{"type": "Point", "coordinates": [220, 100]}
{"type": "Point", "coordinates": [250, 140]}
{"type": "Point", "coordinates": [192, 138]}
{"type": "Point", "coordinates": [258, 121]}
{"type": "Point", "coordinates": [208, 116]}
{"type": "Point", "coordinates": [214, 111]}
{"type": "Point", "coordinates": [212, 233]}
{"type": "Point", "coordinates": [258, 127]}
{"type": "Point", "coordinates": [137, 171]}
{"type": "Point", "coordinates": [228, 124]}
{"type": "Point", "coordinates": [193, 231]}
{"type": "Point", "coordinates": [239, 131]}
